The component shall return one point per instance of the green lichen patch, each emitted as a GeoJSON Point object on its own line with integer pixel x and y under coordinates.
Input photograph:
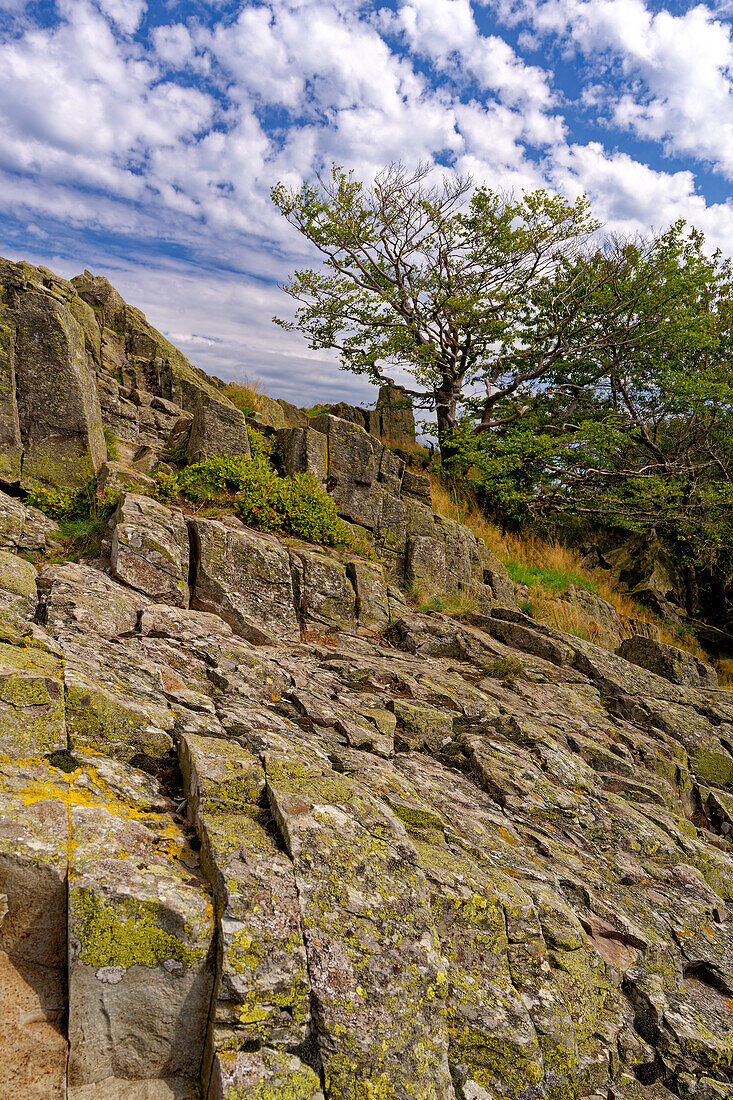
{"type": "Point", "coordinates": [125, 932]}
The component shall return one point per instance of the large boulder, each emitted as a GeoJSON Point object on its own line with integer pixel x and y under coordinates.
{"type": "Point", "coordinates": [150, 549]}
{"type": "Point", "coordinates": [324, 594]}
{"type": "Point", "coordinates": [644, 569]}
{"type": "Point", "coordinates": [245, 578]}
{"type": "Point", "coordinates": [217, 431]}
{"type": "Point", "coordinates": [50, 414]}
{"type": "Point", "coordinates": [676, 665]}
{"type": "Point", "coordinates": [303, 450]}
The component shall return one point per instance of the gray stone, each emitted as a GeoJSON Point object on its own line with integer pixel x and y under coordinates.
{"type": "Point", "coordinates": [245, 578]}
{"type": "Point", "coordinates": [324, 594]}
{"type": "Point", "coordinates": [417, 485]}
{"type": "Point", "coordinates": [676, 665]}
{"type": "Point", "coordinates": [150, 549]}
{"type": "Point", "coordinates": [370, 584]}
{"type": "Point", "coordinates": [219, 430]}
{"type": "Point", "coordinates": [425, 564]}
{"type": "Point", "coordinates": [303, 450]}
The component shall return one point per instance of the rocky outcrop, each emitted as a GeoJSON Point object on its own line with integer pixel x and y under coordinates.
{"type": "Point", "coordinates": [266, 832]}
{"type": "Point", "coordinates": [442, 860]}
{"type": "Point", "coordinates": [76, 360]}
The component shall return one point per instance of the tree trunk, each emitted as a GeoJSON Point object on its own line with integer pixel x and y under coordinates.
{"type": "Point", "coordinates": [446, 403]}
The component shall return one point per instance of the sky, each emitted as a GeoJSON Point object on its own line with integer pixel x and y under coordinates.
{"type": "Point", "coordinates": [141, 140]}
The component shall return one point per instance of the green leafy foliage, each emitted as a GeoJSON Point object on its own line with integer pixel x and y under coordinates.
{"type": "Point", "coordinates": [440, 280]}
{"type": "Point", "coordinates": [296, 505]}
{"type": "Point", "coordinates": [82, 515]}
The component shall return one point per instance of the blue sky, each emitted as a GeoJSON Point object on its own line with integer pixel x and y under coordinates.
{"type": "Point", "coordinates": [140, 140]}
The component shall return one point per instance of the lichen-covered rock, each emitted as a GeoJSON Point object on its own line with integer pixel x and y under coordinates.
{"type": "Point", "coordinates": [372, 595]}
{"type": "Point", "coordinates": [33, 859]}
{"type": "Point", "coordinates": [53, 394]}
{"type": "Point", "coordinates": [303, 450]}
{"type": "Point", "coordinates": [245, 578]}
{"type": "Point", "coordinates": [676, 665]}
{"type": "Point", "coordinates": [324, 595]}
{"type": "Point", "coordinates": [425, 565]}
{"type": "Point", "coordinates": [150, 549]}
{"type": "Point", "coordinates": [140, 935]}
{"type": "Point", "coordinates": [115, 477]}
{"type": "Point", "coordinates": [32, 716]}
{"type": "Point", "coordinates": [218, 430]}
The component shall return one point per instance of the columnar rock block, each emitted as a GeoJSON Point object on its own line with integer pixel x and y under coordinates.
{"type": "Point", "coordinates": [303, 450]}
{"type": "Point", "coordinates": [217, 431]}
{"type": "Point", "coordinates": [262, 996]}
{"type": "Point", "coordinates": [245, 578]}
{"type": "Point", "coordinates": [324, 595]}
{"type": "Point", "coordinates": [150, 549]}
{"type": "Point", "coordinates": [376, 974]}
{"type": "Point", "coordinates": [33, 858]}
{"type": "Point", "coordinates": [141, 932]}
{"type": "Point", "coordinates": [51, 417]}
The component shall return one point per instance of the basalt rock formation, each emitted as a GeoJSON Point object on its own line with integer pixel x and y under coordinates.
{"type": "Point", "coordinates": [267, 832]}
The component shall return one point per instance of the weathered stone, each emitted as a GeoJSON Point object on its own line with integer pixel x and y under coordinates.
{"type": "Point", "coordinates": [32, 718]}
{"type": "Point", "coordinates": [263, 994]}
{"type": "Point", "coordinates": [58, 413]}
{"type": "Point", "coordinates": [676, 665]}
{"type": "Point", "coordinates": [218, 430]}
{"type": "Point", "coordinates": [245, 578]}
{"type": "Point", "coordinates": [425, 565]}
{"type": "Point", "coordinates": [270, 412]}
{"type": "Point", "coordinates": [140, 932]}
{"type": "Point", "coordinates": [303, 450]}
{"type": "Point", "coordinates": [372, 599]}
{"type": "Point", "coordinates": [417, 485]}
{"type": "Point", "coordinates": [396, 426]}
{"type": "Point", "coordinates": [115, 477]}
{"type": "Point", "coordinates": [377, 976]}
{"type": "Point", "coordinates": [18, 577]}
{"type": "Point", "coordinates": [324, 594]}
{"type": "Point", "coordinates": [421, 728]}
{"type": "Point", "coordinates": [150, 549]}
{"type": "Point", "coordinates": [78, 597]}
{"type": "Point", "coordinates": [33, 857]}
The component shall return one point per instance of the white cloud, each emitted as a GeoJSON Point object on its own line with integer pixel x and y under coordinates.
{"type": "Point", "coordinates": [174, 141]}
{"type": "Point", "coordinates": [674, 72]}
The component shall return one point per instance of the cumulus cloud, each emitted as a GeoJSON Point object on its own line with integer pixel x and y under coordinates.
{"type": "Point", "coordinates": [672, 74]}
{"type": "Point", "coordinates": [123, 123]}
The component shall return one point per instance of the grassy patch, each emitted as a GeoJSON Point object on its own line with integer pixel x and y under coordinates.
{"type": "Point", "coordinates": [546, 569]}
{"type": "Point", "coordinates": [82, 515]}
{"type": "Point", "coordinates": [243, 395]}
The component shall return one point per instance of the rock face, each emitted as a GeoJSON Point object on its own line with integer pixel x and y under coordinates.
{"type": "Point", "coordinates": [76, 360]}
{"type": "Point", "coordinates": [297, 842]}
{"type": "Point", "coordinates": [441, 861]}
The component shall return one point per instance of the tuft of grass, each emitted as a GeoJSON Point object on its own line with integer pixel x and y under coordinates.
{"type": "Point", "coordinates": [113, 451]}
{"type": "Point", "coordinates": [506, 668]}
{"type": "Point", "coordinates": [243, 395]}
{"type": "Point", "coordinates": [428, 597]}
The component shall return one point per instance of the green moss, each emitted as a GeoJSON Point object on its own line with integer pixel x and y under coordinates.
{"type": "Point", "coordinates": [714, 767]}
{"type": "Point", "coordinates": [126, 933]}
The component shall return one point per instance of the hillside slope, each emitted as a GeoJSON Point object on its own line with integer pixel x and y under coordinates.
{"type": "Point", "coordinates": [269, 832]}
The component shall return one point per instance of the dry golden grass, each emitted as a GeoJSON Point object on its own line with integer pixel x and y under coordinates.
{"type": "Point", "coordinates": [244, 394]}
{"type": "Point", "coordinates": [546, 568]}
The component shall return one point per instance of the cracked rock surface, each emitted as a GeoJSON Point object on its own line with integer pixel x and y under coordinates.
{"type": "Point", "coordinates": [242, 858]}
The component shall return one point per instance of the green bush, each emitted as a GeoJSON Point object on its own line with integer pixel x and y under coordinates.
{"type": "Point", "coordinates": [309, 512]}
{"type": "Point", "coordinates": [82, 515]}
{"type": "Point", "coordinates": [297, 505]}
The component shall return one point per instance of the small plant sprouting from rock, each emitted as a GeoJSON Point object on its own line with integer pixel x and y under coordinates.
{"type": "Point", "coordinates": [506, 668]}
{"type": "Point", "coordinates": [81, 513]}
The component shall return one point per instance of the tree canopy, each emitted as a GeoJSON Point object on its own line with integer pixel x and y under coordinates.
{"type": "Point", "coordinates": [455, 284]}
